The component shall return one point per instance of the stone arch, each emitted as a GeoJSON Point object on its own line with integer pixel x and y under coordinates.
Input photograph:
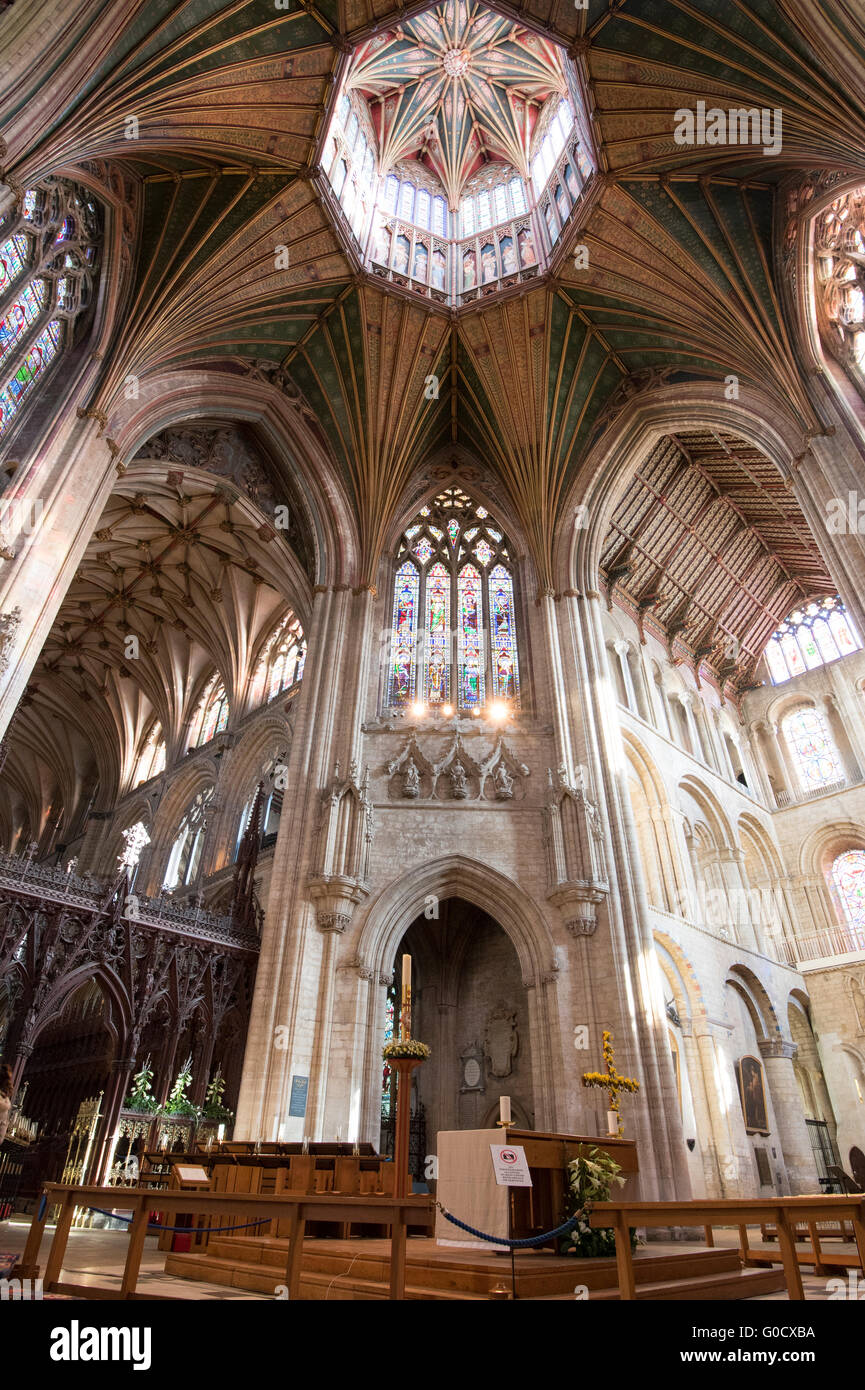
{"type": "Point", "coordinates": [458, 876]}
{"type": "Point", "coordinates": [182, 791]}
{"type": "Point", "coordinates": [751, 988]}
{"type": "Point", "coordinates": [172, 397]}
{"type": "Point", "coordinates": [397, 906]}
{"type": "Point", "coordinates": [662, 867]}
{"type": "Point", "coordinates": [713, 812]}
{"type": "Point", "coordinates": [632, 435]}
{"type": "Point", "coordinates": [691, 989]}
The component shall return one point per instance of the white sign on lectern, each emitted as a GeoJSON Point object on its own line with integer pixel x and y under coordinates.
{"type": "Point", "coordinates": [510, 1165]}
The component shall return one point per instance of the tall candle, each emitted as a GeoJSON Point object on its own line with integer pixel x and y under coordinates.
{"type": "Point", "coordinates": [612, 1124]}
{"type": "Point", "coordinates": [405, 1010]}
{"type": "Point", "coordinates": [220, 1133]}
{"type": "Point", "coordinates": [505, 1109]}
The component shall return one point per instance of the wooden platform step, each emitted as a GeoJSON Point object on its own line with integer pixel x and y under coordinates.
{"type": "Point", "coordinates": [336, 1269]}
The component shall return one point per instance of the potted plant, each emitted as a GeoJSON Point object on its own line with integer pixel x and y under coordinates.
{"type": "Point", "coordinates": [591, 1175]}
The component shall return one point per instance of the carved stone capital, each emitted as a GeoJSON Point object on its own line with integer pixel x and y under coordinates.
{"type": "Point", "coordinates": [332, 921]}
{"type": "Point", "coordinates": [581, 926]}
{"type": "Point", "coordinates": [778, 1047]}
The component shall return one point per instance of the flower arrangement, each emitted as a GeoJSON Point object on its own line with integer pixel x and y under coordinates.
{"type": "Point", "coordinates": [213, 1106]}
{"type": "Point", "coordinates": [141, 1096]}
{"type": "Point", "coordinates": [591, 1175]}
{"type": "Point", "coordinates": [610, 1079]}
{"type": "Point", "coordinates": [178, 1102]}
{"type": "Point", "coordinates": [405, 1047]}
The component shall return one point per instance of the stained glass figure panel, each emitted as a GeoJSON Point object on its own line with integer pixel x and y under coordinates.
{"type": "Point", "coordinates": [41, 354]}
{"type": "Point", "coordinates": [811, 636]}
{"type": "Point", "coordinates": [814, 753]}
{"type": "Point", "coordinates": [469, 654]}
{"type": "Point", "coordinates": [848, 889]}
{"type": "Point", "coordinates": [506, 681]}
{"type": "Point", "coordinates": [24, 311]}
{"type": "Point", "coordinates": [438, 605]}
{"type": "Point", "coordinates": [401, 679]}
{"type": "Point", "coordinates": [14, 254]}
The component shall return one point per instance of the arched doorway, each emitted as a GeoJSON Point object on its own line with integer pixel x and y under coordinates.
{"type": "Point", "coordinates": [71, 1062]}
{"type": "Point", "coordinates": [471, 1007]}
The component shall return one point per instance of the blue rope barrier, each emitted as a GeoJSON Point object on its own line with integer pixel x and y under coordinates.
{"type": "Point", "coordinates": [526, 1243]}
{"type": "Point", "coordinates": [186, 1230]}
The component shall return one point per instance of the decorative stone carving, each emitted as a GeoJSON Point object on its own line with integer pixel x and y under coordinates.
{"type": "Point", "coordinates": [503, 783]}
{"type": "Point", "coordinates": [574, 843]}
{"type": "Point", "coordinates": [457, 775]}
{"type": "Point", "coordinates": [411, 779]}
{"type": "Point", "coordinates": [332, 921]}
{"type": "Point", "coordinates": [501, 1040]}
{"type": "Point", "coordinates": [345, 831]}
{"type": "Point", "coordinates": [9, 624]}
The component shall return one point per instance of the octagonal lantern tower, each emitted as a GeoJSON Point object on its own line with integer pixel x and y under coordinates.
{"type": "Point", "coordinates": [455, 152]}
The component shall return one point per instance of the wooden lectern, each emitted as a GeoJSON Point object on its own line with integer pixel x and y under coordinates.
{"type": "Point", "coordinates": [467, 1184]}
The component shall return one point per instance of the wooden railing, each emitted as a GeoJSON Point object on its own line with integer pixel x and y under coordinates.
{"type": "Point", "coordinates": [784, 1213]}
{"type": "Point", "coordinates": [298, 1208]}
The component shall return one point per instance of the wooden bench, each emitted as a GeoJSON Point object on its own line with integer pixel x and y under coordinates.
{"type": "Point", "coordinates": [396, 1213]}
{"type": "Point", "coordinates": [784, 1213]}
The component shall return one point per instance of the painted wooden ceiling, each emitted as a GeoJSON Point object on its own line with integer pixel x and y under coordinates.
{"type": "Point", "coordinates": [231, 99]}
{"type": "Point", "coordinates": [459, 87]}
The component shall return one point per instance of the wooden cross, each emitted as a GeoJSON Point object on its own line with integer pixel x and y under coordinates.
{"type": "Point", "coordinates": [611, 1080]}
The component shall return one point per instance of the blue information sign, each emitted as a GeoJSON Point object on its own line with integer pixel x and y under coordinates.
{"type": "Point", "coordinates": [299, 1089]}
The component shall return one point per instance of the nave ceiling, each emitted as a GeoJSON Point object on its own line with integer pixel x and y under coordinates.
{"type": "Point", "coordinates": [231, 99]}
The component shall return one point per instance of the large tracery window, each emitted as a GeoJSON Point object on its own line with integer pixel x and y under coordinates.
{"type": "Point", "coordinates": [847, 883]}
{"type": "Point", "coordinates": [839, 252]}
{"type": "Point", "coordinates": [185, 854]}
{"type": "Point", "coordinates": [49, 255]}
{"type": "Point", "coordinates": [151, 760]}
{"type": "Point", "coordinates": [211, 716]}
{"type": "Point", "coordinates": [282, 661]}
{"type": "Point", "coordinates": [812, 636]}
{"type": "Point", "coordinates": [454, 636]}
{"type": "Point", "coordinates": [814, 753]}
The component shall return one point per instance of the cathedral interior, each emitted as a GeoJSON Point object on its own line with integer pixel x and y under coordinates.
{"type": "Point", "coordinates": [432, 449]}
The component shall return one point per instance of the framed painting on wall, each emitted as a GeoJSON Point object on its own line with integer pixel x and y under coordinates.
{"type": "Point", "coordinates": [749, 1074]}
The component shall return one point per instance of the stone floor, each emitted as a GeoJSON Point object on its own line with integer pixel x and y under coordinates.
{"type": "Point", "coordinates": [98, 1256]}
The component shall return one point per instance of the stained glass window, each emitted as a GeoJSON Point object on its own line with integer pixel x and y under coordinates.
{"type": "Point", "coordinates": [847, 881]}
{"type": "Point", "coordinates": [185, 854]}
{"type": "Point", "coordinates": [469, 625]}
{"type": "Point", "coordinates": [813, 635]}
{"type": "Point", "coordinates": [814, 753]}
{"type": "Point", "coordinates": [503, 634]}
{"type": "Point", "coordinates": [212, 715]}
{"type": "Point", "coordinates": [14, 255]}
{"type": "Point", "coordinates": [151, 760]}
{"type": "Point", "coordinates": [24, 311]}
{"type": "Point", "coordinates": [401, 680]}
{"type": "Point", "coordinates": [39, 357]}
{"type": "Point", "coordinates": [471, 670]}
{"type": "Point", "coordinates": [41, 276]}
{"type": "Point", "coordinates": [438, 596]}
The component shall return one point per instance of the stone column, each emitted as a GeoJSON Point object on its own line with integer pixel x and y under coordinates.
{"type": "Point", "coordinates": [838, 729]}
{"type": "Point", "coordinates": [778, 1054]}
{"type": "Point", "coordinates": [622, 649]}
{"type": "Point", "coordinates": [58, 498]}
{"type": "Point", "coordinates": [729, 1141]}
{"type": "Point", "coordinates": [612, 967]}
{"type": "Point", "coordinates": [301, 949]}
